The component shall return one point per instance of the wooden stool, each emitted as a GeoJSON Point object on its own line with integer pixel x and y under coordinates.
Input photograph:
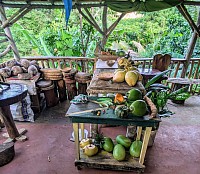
{"type": "Point", "coordinates": [47, 87]}
{"type": "Point", "coordinates": [57, 77]}
{"type": "Point", "coordinates": [69, 78]}
{"type": "Point", "coordinates": [82, 78]}
{"type": "Point", "coordinates": [7, 153]}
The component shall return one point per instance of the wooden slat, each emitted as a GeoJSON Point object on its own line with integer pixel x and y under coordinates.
{"type": "Point", "coordinates": [76, 137]}
{"type": "Point", "coordinates": [145, 144]}
{"type": "Point", "coordinates": [191, 69]}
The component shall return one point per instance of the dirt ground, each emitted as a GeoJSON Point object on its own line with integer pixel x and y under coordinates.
{"type": "Point", "coordinates": [49, 149]}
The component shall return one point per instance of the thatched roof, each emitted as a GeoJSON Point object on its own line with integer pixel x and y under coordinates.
{"type": "Point", "coordinates": [59, 3]}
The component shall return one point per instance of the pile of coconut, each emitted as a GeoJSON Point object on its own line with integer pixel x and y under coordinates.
{"type": "Point", "coordinates": [22, 69]}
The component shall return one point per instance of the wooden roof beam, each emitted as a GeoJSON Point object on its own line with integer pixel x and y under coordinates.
{"type": "Point", "coordinates": [16, 16]}
{"type": "Point", "coordinates": [187, 16]}
{"type": "Point", "coordinates": [196, 3]}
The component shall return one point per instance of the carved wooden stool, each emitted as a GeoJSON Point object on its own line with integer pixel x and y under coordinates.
{"type": "Point", "coordinates": [83, 79]}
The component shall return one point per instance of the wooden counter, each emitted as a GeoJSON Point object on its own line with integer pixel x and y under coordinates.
{"type": "Point", "coordinates": [103, 87]}
{"type": "Point", "coordinates": [105, 160]}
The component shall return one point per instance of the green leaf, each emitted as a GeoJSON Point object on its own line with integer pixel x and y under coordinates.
{"type": "Point", "coordinates": [157, 77]}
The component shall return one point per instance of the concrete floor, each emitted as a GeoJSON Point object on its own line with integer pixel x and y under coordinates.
{"type": "Point", "coordinates": [49, 151]}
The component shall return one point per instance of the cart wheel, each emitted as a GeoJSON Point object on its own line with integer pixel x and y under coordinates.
{"type": "Point", "coordinates": [140, 171]}
{"type": "Point", "coordinates": [79, 168]}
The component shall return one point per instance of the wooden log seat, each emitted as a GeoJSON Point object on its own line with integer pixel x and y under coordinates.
{"type": "Point", "coordinates": [83, 79]}
{"type": "Point", "coordinates": [56, 76]}
{"type": "Point", "coordinates": [70, 82]}
{"type": "Point", "coordinates": [7, 153]}
{"type": "Point", "coordinates": [47, 87]}
{"type": "Point", "coordinates": [179, 82]}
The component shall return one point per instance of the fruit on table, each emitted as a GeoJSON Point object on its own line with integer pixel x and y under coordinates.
{"type": "Point", "coordinates": [134, 94]}
{"type": "Point", "coordinates": [122, 61]}
{"type": "Point", "coordinates": [124, 141]}
{"type": "Point", "coordinates": [84, 142]}
{"type": "Point", "coordinates": [119, 98]}
{"type": "Point", "coordinates": [135, 148]}
{"type": "Point", "coordinates": [131, 78]}
{"type": "Point", "coordinates": [121, 111]}
{"type": "Point", "coordinates": [119, 76]}
{"type": "Point", "coordinates": [138, 108]}
{"type": "Point", "coordinates": [108, 144]}
{"type": "Point", "coordinates": [119, 152]}
{"type": "Point", "coordinates": [90, 150]}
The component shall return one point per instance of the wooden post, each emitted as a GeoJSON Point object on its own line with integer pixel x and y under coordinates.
{"type": "Point", "coordinates": [190, 50]}
{"type": "Point", "coordinates": [9, 122]}
{"type": "Point", "coordinates": [76, 137]}
{"type": "Point", "coordinates": [9, 35]}
{"type": "Point", "coordinates": [62, 90]}
{"type": "Point", "coordinates": [145, 144]}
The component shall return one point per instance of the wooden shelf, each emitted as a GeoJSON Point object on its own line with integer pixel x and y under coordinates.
{"type": "Point", "coordinates": [104, 160]}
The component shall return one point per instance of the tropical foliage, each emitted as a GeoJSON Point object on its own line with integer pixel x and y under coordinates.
{"type": "Point", "coordinates": [44, 32]}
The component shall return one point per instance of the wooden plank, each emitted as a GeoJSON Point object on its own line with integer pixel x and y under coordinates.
{"type": "Point", "coordinates": [76, 137]}
{"type": "Point", "coordinates": [101, 86]}
{"type": "Point", "coordinates": [82, 131]}
{"type": "Point", "coordinates": [145, 144]}
{"type": "Point", "coordinates": [139, 132]}
{"type": "Point", "coordinates": [105, 160]}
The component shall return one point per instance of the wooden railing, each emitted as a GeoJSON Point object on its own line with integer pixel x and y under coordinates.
{"type": "Point", "coordinates": [176, 66]}
{"type": "Point", "coordinates": [85, 64]}
{"type": "Point", "coordinates": [82, 64]}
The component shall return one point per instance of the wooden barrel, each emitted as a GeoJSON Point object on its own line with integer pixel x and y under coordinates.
{"type": "Point", "coordinates": [7, 153]}
{"type": "Point", "coordinates": [47, 87]}
{"type": "Point", "coordinates": [83, 79]}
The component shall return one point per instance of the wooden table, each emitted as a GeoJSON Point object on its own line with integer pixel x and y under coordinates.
{"type": "Point", "coordinates": [32, 89]}
{"type": "Point", "coordinates": [104, 160]}
{"type": "Point", "coordinates": [98, 86]}
{"type": "Point", "coordinates": [148, 74]}
{"type": "Point", "coordinates": [11, 95]}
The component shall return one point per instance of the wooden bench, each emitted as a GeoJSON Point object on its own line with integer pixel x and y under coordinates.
{"type": "Point", "coordinates": [179, 82]}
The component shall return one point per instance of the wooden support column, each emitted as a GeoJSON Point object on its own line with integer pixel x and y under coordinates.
{"type": "Point", "coordinates": [187, 16]}
{"type": "Point", "coordinates": [9, 35]}
{"type": "Point", "coordinates": [105, 31]}
{"type": "Point", "coordinates": [190, 50]}
{"type": "Point", "coordinates": [9, 122]}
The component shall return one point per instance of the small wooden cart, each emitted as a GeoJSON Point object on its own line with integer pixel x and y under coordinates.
{"type": "Point", "coordinates": [104, 160]}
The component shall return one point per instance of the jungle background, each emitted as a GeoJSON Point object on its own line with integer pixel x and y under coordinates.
{"type": "Point", "coordinates": [44, 32]}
